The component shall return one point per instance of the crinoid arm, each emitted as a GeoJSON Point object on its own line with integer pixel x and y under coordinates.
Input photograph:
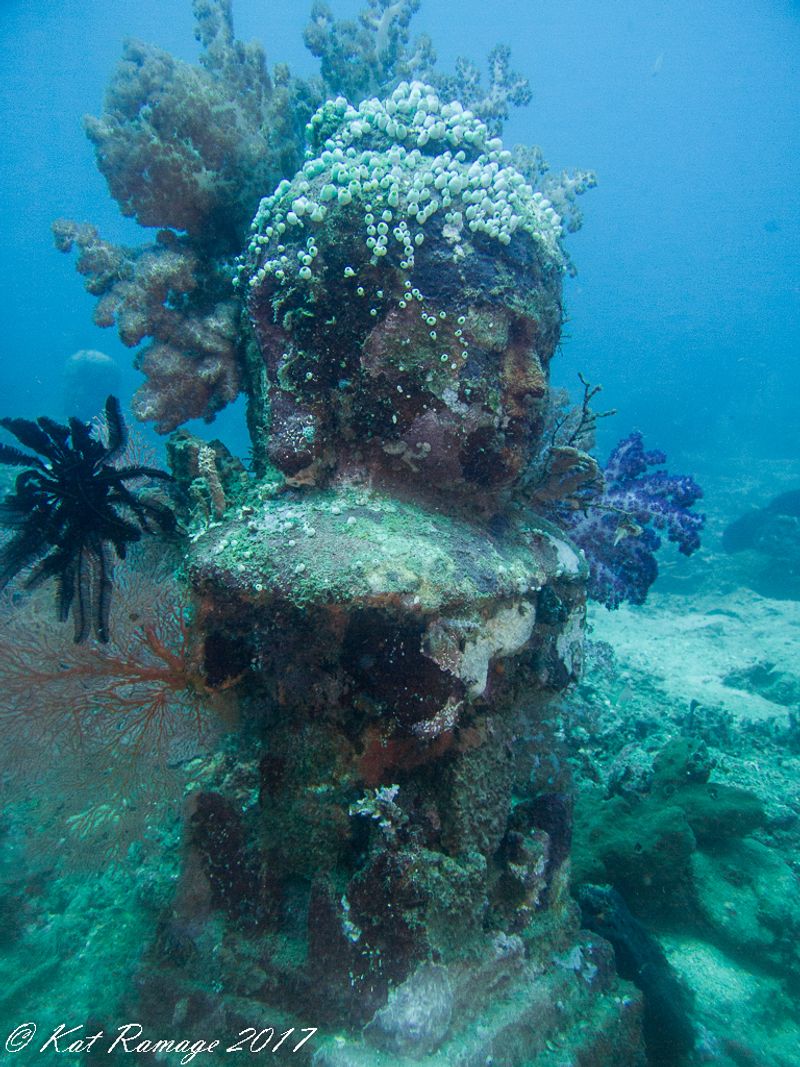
{"type": "Point", "coordinates": [15, 457]}
{"type": "Point", "coordinates": [117, 430]}
{"type": "Point", "coordinates": [32, 436]}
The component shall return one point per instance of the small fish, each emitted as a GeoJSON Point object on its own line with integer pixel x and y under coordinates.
{"type": "Point", "coordinates": [627, 528]}
{"type": "Point", "coordinates": [659, 63]}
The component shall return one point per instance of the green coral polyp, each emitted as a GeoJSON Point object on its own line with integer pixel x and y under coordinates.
{"type": "Point", "coordinates": [401, 161]}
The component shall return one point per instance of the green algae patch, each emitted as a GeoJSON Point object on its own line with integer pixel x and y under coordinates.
{"type": "Point", "coordinates": [647, 845]}
{"type": "Point", "coordinates": [350, 545]}
{"type": "Point", "coordinates": [642, 849]}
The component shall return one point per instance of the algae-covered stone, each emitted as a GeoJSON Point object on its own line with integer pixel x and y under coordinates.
{"type": "Point", "coordinates": [681, 760]}
{"type": "Point", "coordinates": [396, 650]}
{"type": "Point", "coordinates": [644, 844]}
{"type": "Point", "coordinates": [641, 848]}
{"type": "Point", "coordinates": [715, 811]}
{"type": "Point", "coordinates": [358, 546]}
{"type": "Point", "coordinates": [405, 292]}
{"type": "Point", "coordinates": [748, 895]}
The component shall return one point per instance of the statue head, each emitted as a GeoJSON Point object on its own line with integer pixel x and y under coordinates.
{"type": "Point", "coordinates": [405, 291]}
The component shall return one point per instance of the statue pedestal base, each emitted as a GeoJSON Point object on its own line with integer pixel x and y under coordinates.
{"type": "Point", "coordinates": [384, 851]}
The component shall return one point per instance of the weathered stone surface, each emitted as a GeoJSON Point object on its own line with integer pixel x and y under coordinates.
{"type": "Point", "coordinates": [357, 546]}
{"type": "Point", "coordinates": [376, 881]}
{"type": "Point", "coordinates": [567, 1010]}
{"type": "Point", "coordinates": [398, 623]}
{"type": "Point", "coordinates": [416, 1017]}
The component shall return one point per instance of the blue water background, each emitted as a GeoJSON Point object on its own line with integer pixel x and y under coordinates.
{"type": "Point", "coordinates": [687, 301]}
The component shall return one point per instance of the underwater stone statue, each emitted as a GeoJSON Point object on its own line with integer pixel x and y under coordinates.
{"type": "Point", "coordinates": [384, 851]}
{"type": "Point", "coordinates": [382, 848]}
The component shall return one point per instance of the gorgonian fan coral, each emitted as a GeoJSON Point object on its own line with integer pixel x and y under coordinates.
{"type": "Point", "coordinates": [70, 507]}
{"type": "Point", "coordinates": [620, 527]}
{"type": "Point", "coordinates": [106, 729]}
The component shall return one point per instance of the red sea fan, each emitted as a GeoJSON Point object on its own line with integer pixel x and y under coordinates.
{"type": "Point", "coordinates": [112, 728]}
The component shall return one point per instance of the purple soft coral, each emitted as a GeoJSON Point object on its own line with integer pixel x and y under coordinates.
{"type": "Point", "coordinates": [618, 529]}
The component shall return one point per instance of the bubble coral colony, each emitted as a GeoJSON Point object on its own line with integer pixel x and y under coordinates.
{"type": "Point", "coordinates": [396, 591]}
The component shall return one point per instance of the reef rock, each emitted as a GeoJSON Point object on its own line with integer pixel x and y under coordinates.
{"type": "Point", "coordinates": [772, 534]}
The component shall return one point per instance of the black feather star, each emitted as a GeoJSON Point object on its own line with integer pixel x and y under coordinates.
{"type": "Point", "coordinates": [69, 508]}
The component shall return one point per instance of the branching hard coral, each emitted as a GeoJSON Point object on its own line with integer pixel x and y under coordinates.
{"type": "Point", "coordinates": [620, 529]}
{"type": "Point", "coordinates": [70, 508]}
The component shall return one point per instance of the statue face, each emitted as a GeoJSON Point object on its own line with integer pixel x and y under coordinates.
{"type": "Point", "coordinates": [433, 378]}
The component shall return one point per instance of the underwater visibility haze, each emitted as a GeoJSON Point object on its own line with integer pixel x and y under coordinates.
{"type": "Point", "coordinates": [400, 533]}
